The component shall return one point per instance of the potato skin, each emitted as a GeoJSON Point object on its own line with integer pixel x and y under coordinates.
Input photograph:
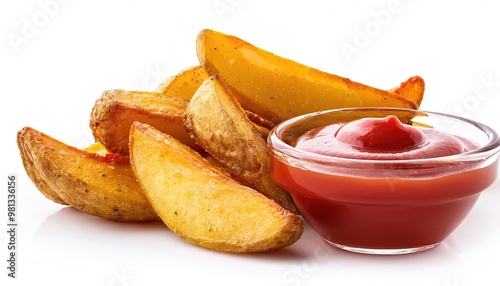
{"type": "Point", "coordinates": [277, 88]}
{"type": "Point", "coordinates": [184, 84]}
{"type": "Point", "coordinates": [33, 173]}
{"type": "Point", "coordinates": [114, 112]}
{"type": "Point", "coordinates": [201, 204]}
{"type": "Point", "coordinates": [104, 186]}
{"type": "Point", "coordinates": [412, 89]}
{"type": "Point", "coordinates": [219, 124]}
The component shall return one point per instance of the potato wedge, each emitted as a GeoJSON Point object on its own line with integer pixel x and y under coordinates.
{"type": "Point", "coordinates": [104, 186]}
{"type": "Point", "coordinates": [219, 124]}
{"type": "Point", "coordinates": [412, 89]}
{"type": "Point", "coordinates": [114, 112]}
{"type": "Point", "coordinates": [97, 148]}
{"type": "Point", "coordinates": [35, 176]}
{"type": "Point", "coordinates": [184, 84]}
{"type": "Point", "coordinates": [202, 205]}
{"type": "Point", "coordinates": [277, 88]}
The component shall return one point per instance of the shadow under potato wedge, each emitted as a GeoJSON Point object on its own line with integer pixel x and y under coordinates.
{"type": "Point", "coordinates": [104, 186]}
{"type": "Point", "coordinates": [202, 205]}
{"type": "Point", "coordinates": [277, 88]}
{"type": "Point", "coordinates": [114, 112]}
{"type": "Point", "coordinates": [218, 124]}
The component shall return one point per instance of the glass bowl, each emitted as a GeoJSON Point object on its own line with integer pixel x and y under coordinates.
{"type": "Point", "coordinates": [384, 206]}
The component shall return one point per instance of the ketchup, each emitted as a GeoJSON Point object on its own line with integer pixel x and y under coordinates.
{"type": "Point", "coordinates": [381, 139]}
{"type": "Point", "coordinates": [394, 206]}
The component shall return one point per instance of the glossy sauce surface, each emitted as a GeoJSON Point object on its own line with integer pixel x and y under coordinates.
{"type": "Point", "coordinates": [381, 139]}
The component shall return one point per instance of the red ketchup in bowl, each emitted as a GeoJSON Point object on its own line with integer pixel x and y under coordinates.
{"type": "Point", "coordinates": [381, 139]}
{"type": "Point", "coordinates": [368, 204]}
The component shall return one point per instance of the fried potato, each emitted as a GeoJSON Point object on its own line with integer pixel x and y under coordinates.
{"type": "Point", "coordinates": [114, 112]}
{"type": "Point", "coordinates": [218, 124]}
{"type": "Point", "coordinates": [200, 204]}
{"type": "Point", "coordinates": [277, 88]}
{"type": "Point", "coordinates": [104, 186]}
{"type": "Point", "coordinates": [97, 148]}
{"type": "Point", "coordinates": [412, 89]}
{"type": "Point", "coordinates": [184, 84]}
{"type": "Point", "coordinates": [33, 173]}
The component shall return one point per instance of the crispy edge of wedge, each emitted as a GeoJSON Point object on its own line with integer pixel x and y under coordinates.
{"type": "Point", "coordinates": [103, 186]}
{"type": "Point", "coordinates": [115, 110]}
{"type": "Point", "coordinates": [202, 205]}
{"type": "Point", "coordinates": [184, 84]}
{"type": "Point", "coordinates": [278, 88]}
{"type": "Point", "coordinates": [412, 89]}
{"type": "Point", "coordinates": [33, 173]}
{"type": "Point", "coordinates": [218, 123]}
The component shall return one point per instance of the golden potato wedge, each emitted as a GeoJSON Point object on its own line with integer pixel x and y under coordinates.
{"type": "Point", "coordinates": [104, 186]}
{"type": "Point", "coordinates": [412, 89]}
{"type": "Point", "coordinates": [35, 176]}
{"type": "Point", "coordinates": [202, 205]}
{"type": "Point", "coordinates": [97, 148]}
{"type": "Point", "coordinates": [184, 84]}
{"type": "Point", "coordinates": [277, 88]}
{"type": "Point", "coordinates": [114, 112]}
{"type": "Point", "coordinates": [219, 124]}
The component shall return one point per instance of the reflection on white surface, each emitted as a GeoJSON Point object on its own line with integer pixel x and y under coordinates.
{"type": "Point", "coordinates": [68, 231]}
{"type": "Point", "coordinates": [141, 251]}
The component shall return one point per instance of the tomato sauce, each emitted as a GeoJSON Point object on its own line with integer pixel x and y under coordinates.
{"type": "Point", "coordinates": [383, 208]}
{"type": "Point", "coordinates": [381, 139]}
{"type": "Point", "coordinates": [386, 212]}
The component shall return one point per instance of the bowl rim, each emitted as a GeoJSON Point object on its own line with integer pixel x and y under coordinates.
{"type": "Point", "coordinates": [277, 146]}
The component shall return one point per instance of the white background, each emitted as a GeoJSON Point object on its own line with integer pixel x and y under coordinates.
{"type": "Point", "coordinates": [58, 57]}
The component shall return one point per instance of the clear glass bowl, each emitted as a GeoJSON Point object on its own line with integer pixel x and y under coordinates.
{"type": "Point", "coordinates": [384, 206]}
